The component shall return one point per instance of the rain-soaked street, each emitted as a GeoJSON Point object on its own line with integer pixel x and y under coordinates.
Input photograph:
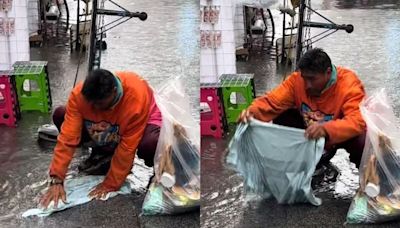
{"type": "Point", "coordinates": [373, 51]}
{"type": "Point", "coordinates": [163, 46]}
{"type": "Point", "coordinates": [166, 45]}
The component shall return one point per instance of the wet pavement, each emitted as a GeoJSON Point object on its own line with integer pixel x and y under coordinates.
{"type": "Point", "coordinates": [163, 46]}
{"type": "Point", "coordinates": [372, 50]}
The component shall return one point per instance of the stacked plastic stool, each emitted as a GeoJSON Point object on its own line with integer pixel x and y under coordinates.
{"type": "Point", "coordinates": [212, 114]}
{"type": "Point", "coordinates": [235, 86]}
{"type": "Point", "coordinates": [32, 86]}
{"type": "Point", "coordinates": [9, 108]}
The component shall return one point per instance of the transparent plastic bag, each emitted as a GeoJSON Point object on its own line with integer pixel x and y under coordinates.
{"type": "Point", "coordinates": [176, 185]}
{"type": "Point", "coordinates": [378, 198]}
{"type": "Point", "coordinates": [276, 161]}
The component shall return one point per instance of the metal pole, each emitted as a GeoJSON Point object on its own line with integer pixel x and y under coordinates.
{"type": "Point", "coordinates": [273, 24]}
{"type": "Point", "coordinates": [93, 32]}
{"type": "Point", "coordinates": [40, 10]}
{"type": "Point", "coordinates": [77, 26]}
{"type": "Point", "coordinates": [300, 30]}
{"type": "Point", "coordinates": [284, 33]}
{"type": "Point", "coordinates": [93, 49]}
{"type": "Point", "coordinates": [67, 10]}
{"type": "Point", "coordinates": [142, 16]}
{"type": "Point", "coordinates": [348, 28]}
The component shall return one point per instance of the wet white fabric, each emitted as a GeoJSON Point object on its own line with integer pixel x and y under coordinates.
{"type": "Point", "coordinates": [77, 190]}
{"type": "Point", "coordinates": [276, 161]}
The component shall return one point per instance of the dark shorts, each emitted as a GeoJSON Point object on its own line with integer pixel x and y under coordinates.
{"type": "Point", "coordinates": [99, 160]}
{"type": "Point", "coordinates": [354, 146]}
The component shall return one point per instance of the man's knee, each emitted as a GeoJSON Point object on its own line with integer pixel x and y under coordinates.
{"type": "Point", "coordinates": [58, 116]}
{"type": "Point", "coordinates": [148, 144]}
{"type": "Point", "coordinates": [355, 147]}
{"type": "Point", "coordinates": [150, 139]}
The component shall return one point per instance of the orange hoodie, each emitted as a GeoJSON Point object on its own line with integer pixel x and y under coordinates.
{"type": "Point", "coordinates": [337, 107]}
{"type": "Point", "coordinates": [122, 126]}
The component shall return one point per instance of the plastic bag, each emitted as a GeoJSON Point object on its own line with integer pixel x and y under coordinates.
{"type": "Point", "coordinates": [378, 198]}
{"type": "Point", "coordinates": [176, 185]}
{"type": "Point", "coordinates": [276, 161]}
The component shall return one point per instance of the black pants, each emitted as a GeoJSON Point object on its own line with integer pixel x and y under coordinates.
{"type": "Point", "coordinates": [99, 161]}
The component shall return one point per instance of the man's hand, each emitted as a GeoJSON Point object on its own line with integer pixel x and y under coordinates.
{"type": "Point", "coordinates": [54, 193]}
{"type": "Point", "coordinates": [315, 131]}
{"type": "Point", "coordinates": [99, 192]}
{"type": "Point", "coordinates": [244, 116]}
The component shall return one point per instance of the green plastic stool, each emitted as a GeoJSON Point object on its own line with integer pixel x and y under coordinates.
{"type": "Point", "coordinates": [242, 84]}
{"type": "Point", "coordinates": [33, 99]}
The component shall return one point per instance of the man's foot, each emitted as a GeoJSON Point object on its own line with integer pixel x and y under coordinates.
{"type": "Point", "coordinates": [98, 163]}
{"type": "Point", "coordinates": [324, 174]}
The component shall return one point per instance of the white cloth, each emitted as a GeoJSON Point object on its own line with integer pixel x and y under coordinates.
{"type": "Point", "coordinates": [77, 190]}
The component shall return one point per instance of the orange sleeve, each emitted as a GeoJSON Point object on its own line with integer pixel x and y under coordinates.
{"type": "Point", "coordinates": [68, 139]}
{"type": "Point", "coordinates": [352, 124]}
{"type": "Point", "coordinates": [122, 160]}
{"type": "Point", "coordinates": [273, 103]}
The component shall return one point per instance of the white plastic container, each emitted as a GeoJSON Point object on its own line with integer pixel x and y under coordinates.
{"type": "Point", "coordinates": [167, 180]}
{"type": "Point", "coordinates": [372, 190]}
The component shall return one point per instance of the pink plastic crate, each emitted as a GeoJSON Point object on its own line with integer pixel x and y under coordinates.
{"type": "Point", "coordinates": [211, 121]}
{"type": "Point", "coordinates": [7, 102]}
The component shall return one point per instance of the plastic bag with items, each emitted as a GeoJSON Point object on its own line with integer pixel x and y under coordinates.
{"type": "Point", "coordinates": [276, 161]}
{"type": "Point", "coordinates": [176, 185]}
{"type": "Point", "coordinates": [378, 197]}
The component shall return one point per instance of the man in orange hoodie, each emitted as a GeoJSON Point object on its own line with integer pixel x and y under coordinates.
{"type": "Point", "coordinates": [116, 114]}
{"type": "Point", "coordinates": [322, 98]}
